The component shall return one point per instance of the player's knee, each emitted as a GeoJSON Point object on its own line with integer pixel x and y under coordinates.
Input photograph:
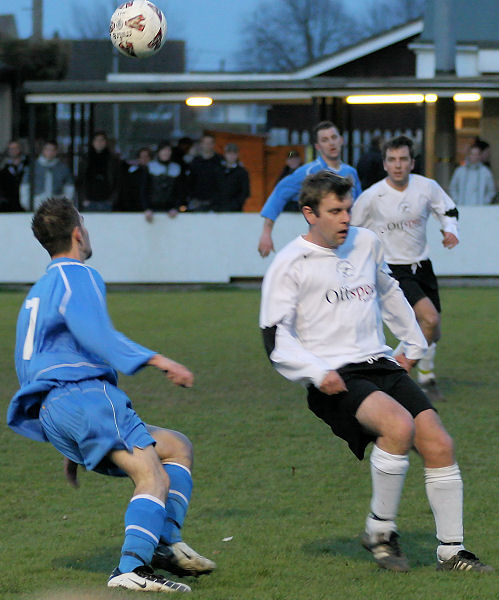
{"type": "Point", "coordinates": [441, 451]}
{"type": "Point", "coordinates": [173, 446]}
{"type": "Point", "coordinates": [402, 433]}
{"type": "Point", "coordinates": [186, 450]}
{"type": "Point", "coordinates": [431, 321]}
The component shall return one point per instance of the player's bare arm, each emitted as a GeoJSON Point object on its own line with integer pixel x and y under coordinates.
{"type": "Point", "coordinates": [404, 362]}
{"type": "Point", "coordinates": [333, 384]}
{"type": "Point", "coordinates": [449, 240]}
{"type": "Point", "coordinates": [265, 245]}
{"type": "Point", "coordinates": [175, 372]}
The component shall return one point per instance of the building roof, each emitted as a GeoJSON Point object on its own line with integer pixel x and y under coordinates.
{"type": "Point", "coordinates": [327, 77]}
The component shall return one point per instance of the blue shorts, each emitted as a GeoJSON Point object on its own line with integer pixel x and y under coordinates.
{"type": "Point", "coordinates": [86, 420]}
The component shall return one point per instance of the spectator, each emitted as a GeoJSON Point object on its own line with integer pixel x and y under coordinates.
{"type": "Point", "coordinates": [293, 161]}
{"type": "Point", "coordinates": [484, 151]}
{"type": "Point", "coordinates": [204, 176]}
{"type": "Point", "coordinates": [234, 182]}
{"type": "Point", "coordinates": [180, 154]}
{"type": "Point", "coordinates": [52, 178]}
{"type": "Point", "coordinates": [370, 166]}
{"type": "Point", "coordinates": [165, 179]}
{"type": "Point", "coordinates": [98, 175]}
{"type": "Point", "coordinates": [135, 183]}
{"type": "Point", "coordinates": [472, 183]}
{"type": "Point", "coordinates": [11, 174]}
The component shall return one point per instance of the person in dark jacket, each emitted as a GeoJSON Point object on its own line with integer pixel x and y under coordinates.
{"type": "Point", "coordinates": [293, 161]}
{"type": "Point", "coordinates": [234, 182]}
{"type": "Point", "coordinates": [135, 186]}
{"type": "Point", "coordinates": [11, 174]}
{"type": "Point", "coordinates": [204, 177]}
{"type": "Point", "coordinates": [98, 175]}
{"type": "Point", "coordinates": [166, 192]}
{"type": "Point", "coordinates": [370, 166]}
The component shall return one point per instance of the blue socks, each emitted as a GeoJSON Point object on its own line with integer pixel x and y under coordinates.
{"type": "Point", "coordinates": [177, 502]}
{"type": "Point", "coordinates": [144, 522]}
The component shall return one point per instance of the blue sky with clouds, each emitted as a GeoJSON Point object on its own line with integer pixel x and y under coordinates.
{"type": "Point", "coordinates": [210, 27]}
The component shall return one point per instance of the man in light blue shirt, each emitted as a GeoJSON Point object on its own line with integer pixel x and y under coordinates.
{"type": "Point", "coordinates": [67, 353]}
{"type": "Point", "coordinates": [328, 142]}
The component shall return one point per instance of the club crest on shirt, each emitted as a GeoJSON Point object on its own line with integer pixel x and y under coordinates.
{"type": "Point", "coordinates": [404, 208]}
{"type": "Point", "coordinates": [345, 268]}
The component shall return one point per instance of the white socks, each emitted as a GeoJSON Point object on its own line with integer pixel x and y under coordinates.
{"type": "Point", "coordinates": [388, 474]}
{"type": "Point", "coordinates": [444, 488]}
{"type": "Point", "coordinates": [426, 364]}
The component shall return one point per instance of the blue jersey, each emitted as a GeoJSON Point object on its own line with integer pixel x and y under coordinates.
{"type": "Point", "coordinates": [288, 189]}
{"type": "Point", "coordinates": [64, 334]}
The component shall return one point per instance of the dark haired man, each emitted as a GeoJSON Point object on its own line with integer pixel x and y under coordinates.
{"type": "Point", "coordinates": [12, 168]}
{"type": "Point", "coordinates": [204, 177]}
{"type": "Point", "coordinates": [397, 209]}
{"type": "Point", "coordinates": [324, 300]}
{"type": "Point", "coordinates": [98, 176]}
{"type": "Point", "coordinates": [66, 354]}
{"type": "Point", "coordinates": [328, 142]}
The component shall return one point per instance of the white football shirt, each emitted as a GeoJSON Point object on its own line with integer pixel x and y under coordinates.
{"type": "Point", "coordinates": [328, 306]}
{"type": "Point", "coordinates": [399, 218]}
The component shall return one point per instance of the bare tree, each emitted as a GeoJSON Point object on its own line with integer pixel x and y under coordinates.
{"type": "Point", "coordinates": [90, 20]}
{"type": "Point", "coordinates": [282, 35]}
{"type": "Point", "coordinates": [382, 15]}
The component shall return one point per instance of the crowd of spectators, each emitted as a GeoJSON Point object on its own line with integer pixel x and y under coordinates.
{"type": "Point", "coordinates": [189, 176]}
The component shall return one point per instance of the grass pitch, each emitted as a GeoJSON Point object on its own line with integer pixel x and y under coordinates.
{"type": "Point", "coordinates": [278, 502]}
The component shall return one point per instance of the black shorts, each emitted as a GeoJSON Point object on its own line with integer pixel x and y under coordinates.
{"type": "Point", "coordinates": [361, 379]}
{"type": "Point", "coordinates": [420, 284]}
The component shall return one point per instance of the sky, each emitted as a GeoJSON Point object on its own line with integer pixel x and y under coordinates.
{"type": "Point", "coordinates": [210, 27]}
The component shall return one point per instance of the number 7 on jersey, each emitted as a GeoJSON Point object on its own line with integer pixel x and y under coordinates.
{"type": "Point", "coordinates": [32, 304]}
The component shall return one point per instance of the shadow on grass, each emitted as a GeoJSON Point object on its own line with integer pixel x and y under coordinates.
{"type": "Point", "coordinates": [418, 546]}
{"type": "Point", "coordinates": [103, 560]}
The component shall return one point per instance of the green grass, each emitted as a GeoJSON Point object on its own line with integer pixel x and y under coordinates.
{"type": "Point", "coordinates": [267, 473]}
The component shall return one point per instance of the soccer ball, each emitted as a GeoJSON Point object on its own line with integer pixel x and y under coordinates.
{"type": "Point", "coordinates": [138, 28]}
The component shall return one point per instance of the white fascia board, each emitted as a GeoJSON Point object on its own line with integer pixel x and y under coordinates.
{"type": "Point", "coordinates": [235, 96]}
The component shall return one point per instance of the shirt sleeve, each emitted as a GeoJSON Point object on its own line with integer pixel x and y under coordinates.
{"type": "Point", "coordinates": [396, 312]}
{"type": "Point", "coordinates": [360, 211]}
{"type": "Point", "coordinates": [277, 319]}
{"type": "Point", "coordinates": [85, 312]}
{"type": "Point", "coordinates": [444, 209]}
{"type": "Point", "coordinates": [287, 189]}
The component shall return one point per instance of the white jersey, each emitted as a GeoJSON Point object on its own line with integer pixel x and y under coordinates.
{"type": "Point", "coordinates": [323, 308]}
{"type": "Point", "coordinates": [399, 217]}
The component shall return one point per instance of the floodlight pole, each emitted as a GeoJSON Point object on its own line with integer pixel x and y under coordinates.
{"type": "Point", "coordinates": [37, 20]}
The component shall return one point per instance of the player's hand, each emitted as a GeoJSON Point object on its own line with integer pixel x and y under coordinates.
{"type": "Point", "coordinates": [404, 362]}
{"type": "Point", "coordinates": [333, 384]}
{"type": "Point", "coordinates": [265, 246]}
{"type": "Point", "coordinates": [450, 240]}
{"type": "Point", "coordinates": [175, 372]}
{"type": "Point", "coordinates": [71, 472]}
